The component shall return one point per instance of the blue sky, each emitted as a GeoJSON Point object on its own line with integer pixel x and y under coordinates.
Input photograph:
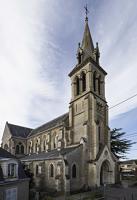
{"type": "Point", "coordinates": [38, 44]}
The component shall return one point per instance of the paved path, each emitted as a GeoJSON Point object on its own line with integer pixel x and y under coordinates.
{"type": "Point", "coordinates": [110, 194]}
{"type": "Point", "coordinates": [121, 194]}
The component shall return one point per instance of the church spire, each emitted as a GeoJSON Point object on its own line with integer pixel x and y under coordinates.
{"type": "Point", "coordinates": [87, 43]}
{"type": "Point", "coordinates": [86, 49]}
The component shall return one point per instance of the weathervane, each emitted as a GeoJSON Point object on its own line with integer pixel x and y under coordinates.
{"type": "Point", "coordinates": [86, 11]}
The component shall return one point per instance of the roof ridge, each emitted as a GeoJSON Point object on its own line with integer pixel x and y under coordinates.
{"type": "Point", "coordinates": [19, 126]}
{"type": "Point", "coordinates": [53, 120]}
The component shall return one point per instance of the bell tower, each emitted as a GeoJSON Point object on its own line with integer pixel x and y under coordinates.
{"type": "Point", "coordinates": [88, 110]}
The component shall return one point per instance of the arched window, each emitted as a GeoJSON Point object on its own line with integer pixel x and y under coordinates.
{"type": "Point", "coordinates": [51, 170]}
{"type": "Point", "coordinates": [37, 169]}
{"type": "Point", "coordinates": [99, 133]}
{"type": "Point", "coordinates": [83, 77]}
{"type": "Point", "coordinates": [17, 149]}
{"type": "Point", "coordinates": [94, 81]}
{"type": "Point", "coordinates": [22, 149]}
{"type": "Point", "coordinates": [74, 171]}
{"type": "Point", "coordinates": [36, 145]}
{"type": "Point", "coordinates": [99, 85]}
{"type": "Point", "coordinates": [54, 144]}
{"type": "Point", "coordinates": [77, 86]}
{"type": "Point", "coordinates": [29, 149]}
{"type": "Point", "coordinates": [44, 145]}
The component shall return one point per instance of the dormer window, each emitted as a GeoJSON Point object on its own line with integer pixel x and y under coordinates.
{"type": "Point", "coordinates": [11, 170]}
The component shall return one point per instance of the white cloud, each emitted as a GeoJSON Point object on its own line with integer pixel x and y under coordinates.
{"type": "Point", "coordinates": [118, 41]}
{"type": "Point", "coordinates": [20, 77]}
{"type": "Point", "coordinates": [31, 62]}
{"type": "Point", "coordinates": [37, 46]}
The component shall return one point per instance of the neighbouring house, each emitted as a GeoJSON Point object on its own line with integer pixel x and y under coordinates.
{"type": "Point", "coordinates": [14, 185]}
{"type": "Point", "coordinates": [128, 168]}
{"type": "Point", "coordinates": [71, 152]}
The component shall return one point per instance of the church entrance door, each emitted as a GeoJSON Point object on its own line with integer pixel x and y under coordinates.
{"type": "Point", "coordinates": [105, 173]}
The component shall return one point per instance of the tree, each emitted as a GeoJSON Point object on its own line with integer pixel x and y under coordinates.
{"type": "Point", "coordinates": [29, 174]}
{"type": "Point", "coordinates": [119, 145]}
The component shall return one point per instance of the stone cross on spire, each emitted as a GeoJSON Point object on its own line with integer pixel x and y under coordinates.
{"type": "Point", "coordinates": [86, 12]}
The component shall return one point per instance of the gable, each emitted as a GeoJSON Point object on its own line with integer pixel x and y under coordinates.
{"type": "Point", "coordinates": [106, 154]}
{"type": "Point", "coordinates": [6, 135]}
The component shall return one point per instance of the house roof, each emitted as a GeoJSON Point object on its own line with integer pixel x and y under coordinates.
{"type": "Point", "coordinates": [53, 154]}
{"type": "Point", "coordinates": [5, 154]}
{"type": "Point", "coordinates": [55, 122]}
{"type": "Point", "coordinates": [129, 162]}
{"type": "Point", "coordinates": [18, 131]}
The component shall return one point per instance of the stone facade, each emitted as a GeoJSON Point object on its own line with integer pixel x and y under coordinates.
{"type": "Point", "coordinates": [72, 152]}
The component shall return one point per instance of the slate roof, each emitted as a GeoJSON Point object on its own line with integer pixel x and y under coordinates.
{"type": "Point", "coordinates": [19, 131]}
{"type": "Point", "coordinates": [53, 154]}
{"type": "Point", "coordinates": [5, 154]}
{"type": "Point", "coordinates": [53, 123]}
{"type": "Point", "coordinates": [87, 42]}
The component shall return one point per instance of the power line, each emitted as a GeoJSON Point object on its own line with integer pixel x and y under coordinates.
{"type": "Point", "coordinates": [123, 101]}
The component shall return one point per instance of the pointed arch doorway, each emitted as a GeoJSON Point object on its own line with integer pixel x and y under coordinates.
{"type": "Point", "coordinates": [106, 174]}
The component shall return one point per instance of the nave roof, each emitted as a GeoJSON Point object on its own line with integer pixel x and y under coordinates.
{"type": "Point", "coordinates": [53, 154]}
{"type": "Point", "coordinates": [53, 123]}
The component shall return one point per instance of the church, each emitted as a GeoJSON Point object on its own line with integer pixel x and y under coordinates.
{"type": "Point", "coordinates": [72, 152]}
